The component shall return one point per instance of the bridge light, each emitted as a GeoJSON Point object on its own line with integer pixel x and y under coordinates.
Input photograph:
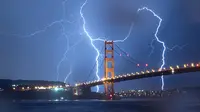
{"type": "Point", "coordinates": [185, 65]}
{"type": "Point", "coordinates": [192, 64]}
{"type": "Point", "coordinates": [138, 65]}
{"type": "Point", "coordinates": [177, 66]}
{"type": "Point", "coordinates": [147, 71]}
{"type": "Point", "coordinates": [153, 70]}
{"type": "Point", "coordinates": [197, 65]}
{"type": "Point", "coordinates": [171, 67]}
{"type": "Point", "coordinates": [146, 65]}
{"type": "Point", "coordinates": [137, 73]}
{"type": "Point", "coordinates": [164, 68]}
{"type": "Point", "coordinates": [142, 72]}
{"type": "Point", "coordinates": [127, 55]}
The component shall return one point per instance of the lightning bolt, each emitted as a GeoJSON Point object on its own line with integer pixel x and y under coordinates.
{"type": "Point", "coordinates": [65, 56]}
{"type": "Point", "coordinates": [158, 40]}
{"type": "Point", "coordinates": [97, 39]}
{"type": "Point", "coordinates": [171, 49]}
{"type": "Point", "coordinates": [152, 47]}
{"type": "Point", "coordinates": [177, 47]}
{"type": "Point", "coordinates": [60, 22]}
{"type": "Point", "coordinates": [91, 41]}
{"type": "Point", "coordinates": [67, 76]}
{"type": "Point", "coordinates": [128, 35]}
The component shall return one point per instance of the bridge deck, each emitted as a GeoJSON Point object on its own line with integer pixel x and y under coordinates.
{"type": "Point", "coordinates": [172, 71]}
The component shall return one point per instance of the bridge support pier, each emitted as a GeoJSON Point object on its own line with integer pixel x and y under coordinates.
{"type": "Point", "coordinates": [109, 69]}
{"type": "Point", "coordinates": [82, 91]}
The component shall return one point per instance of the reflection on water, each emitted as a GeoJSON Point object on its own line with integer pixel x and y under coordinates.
{"type": "Point", "coordinates": [98, 106]}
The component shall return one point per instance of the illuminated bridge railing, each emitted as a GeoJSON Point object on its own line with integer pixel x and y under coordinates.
{"type": "Point", "coordinates": [144, 74]}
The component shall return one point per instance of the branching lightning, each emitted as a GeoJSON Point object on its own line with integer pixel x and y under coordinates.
{"type": "Point", "coordinates": [170, 49]}
{"type": "Point", "coordinates": [177, 47]}
{"type": "Point", "coordinates": [91, 41]}
{"type": "Point", "coordinates": [65, 56]}
{"type": "Point", "coordinates": [128, 35]}
{"type": "Point", "coordinates": [97, 39]}
{"type": "Point", "coordinates": [158, 40]}
{"type": "Point", "coordinates": [60, 22]}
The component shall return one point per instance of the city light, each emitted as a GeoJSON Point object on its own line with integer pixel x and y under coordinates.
{"type": "Point", "coordinates": [41, 87]}
{"type": "Point", "coordinates": [56, 88]}
{"type": "Point", "coordinates": [172, 71]}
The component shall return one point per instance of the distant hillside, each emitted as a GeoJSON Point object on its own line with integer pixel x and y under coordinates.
{"type": "Point", "coordinates": [29, 82]}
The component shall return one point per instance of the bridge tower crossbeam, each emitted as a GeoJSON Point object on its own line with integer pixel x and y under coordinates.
{"type": "Point", "coordinates": [109, 69]}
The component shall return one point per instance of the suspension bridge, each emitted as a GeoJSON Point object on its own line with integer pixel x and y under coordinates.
{"type": "Point", "coordinates": [110, 78]}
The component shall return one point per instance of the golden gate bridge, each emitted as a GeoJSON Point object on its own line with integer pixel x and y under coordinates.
{"type": "Point", "coordinates": [110, 78]}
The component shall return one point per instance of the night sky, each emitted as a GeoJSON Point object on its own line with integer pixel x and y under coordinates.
{"type": "Point", "coordinates": [26, 53]}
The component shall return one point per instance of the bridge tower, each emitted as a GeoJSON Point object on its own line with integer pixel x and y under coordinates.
{"type": "Point", "coordinates": [109, 69]}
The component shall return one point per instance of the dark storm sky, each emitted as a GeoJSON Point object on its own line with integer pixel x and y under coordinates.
{"type": "Point", "coordinates": [37, 56]}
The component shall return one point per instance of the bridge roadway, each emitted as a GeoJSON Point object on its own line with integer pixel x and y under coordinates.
{"type": "Point", "coordinates": [137, 75]}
